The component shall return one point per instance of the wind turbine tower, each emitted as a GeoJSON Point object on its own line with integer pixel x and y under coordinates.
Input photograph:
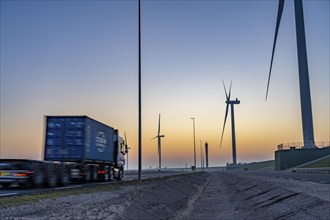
{"type": "Point", "coordinates": [305, 95]}
{"type": "Point", "coordinates": [207, 154]}
{"type": "Point", "coordinates": [159, 136]}
{"type": "Point", "coordinates": [233, 137]}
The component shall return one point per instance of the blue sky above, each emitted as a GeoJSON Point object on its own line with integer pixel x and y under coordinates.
{"type": "Point", "coordinates": [80, 58]}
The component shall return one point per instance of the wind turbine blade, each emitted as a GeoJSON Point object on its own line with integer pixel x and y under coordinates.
{"type": "Point", "coordinates": [278, 21]}
{"type": "Point", "coordinates": [154, 138]}
{"type": "Point", "coordinates": [159, 125]}
{"type": "Point", "coordinates": [229, 90]}
{"type": "Point", "coordinates": [224, 124]}
{"type": "Point", "coordinates": [225, 90]}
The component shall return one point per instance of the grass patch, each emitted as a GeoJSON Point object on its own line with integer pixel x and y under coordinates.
{"type": "Point", "coordinates": [258, 165]}
{"type": "Point", "coordinates": [30, 198]}
{"type": "Point", "coordinates": [323, 163]}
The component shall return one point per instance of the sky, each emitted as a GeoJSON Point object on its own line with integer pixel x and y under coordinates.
{"type": "Point", "coordinates": [81, 58]}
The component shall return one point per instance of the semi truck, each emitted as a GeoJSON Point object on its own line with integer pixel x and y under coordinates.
{"type": "Point", "coordinates": [77, 148]}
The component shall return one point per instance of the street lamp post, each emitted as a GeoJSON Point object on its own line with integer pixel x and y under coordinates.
{"type": "Point", "coordinates": [201, 154]}
{"type": "Point", "coordinates": [139, 84]}
{"type": "Point", "coordinates": [194, 143]}
{"type": "Point", "coordinates": [207, 154]}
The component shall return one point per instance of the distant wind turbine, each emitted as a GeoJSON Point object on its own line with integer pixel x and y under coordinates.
{"type": "Point", "coordinates": [305, 96]}
{"type": "Point", "coordinates": [126, 150]}
{"type": "Point", "coordinates": [159, 136]}
{"type": "Point", "coordinates": [231, 103]}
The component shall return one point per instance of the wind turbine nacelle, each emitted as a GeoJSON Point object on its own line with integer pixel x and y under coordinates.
{"type": "Point", "coordinates": [233, 101]}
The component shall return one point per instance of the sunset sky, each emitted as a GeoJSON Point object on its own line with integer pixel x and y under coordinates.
{"type": "Point", "coordinates": [80, 58]}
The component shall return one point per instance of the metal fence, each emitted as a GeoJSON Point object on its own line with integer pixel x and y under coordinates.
{"type": "Point", "coordinates": [298, 145]}
{"type": "Point", "coordinates": [322, 170]}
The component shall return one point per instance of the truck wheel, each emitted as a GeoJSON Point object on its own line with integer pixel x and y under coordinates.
{"type": "Point", "coordinates": [110, 174]}
{"type": "Point", "coordinates": [5, 185]}
{"type": "Point", "coordinates": [51, 178]}
{"type": "Point", "coordinates": [37, 179]}
{"type": "Point", "coordinates": [88, 176]}
{"type": "Point", "coordinates": [120, 174]}
{"type": "Point", "coordinates": [64, 176]}
{"type": "Point", "coordinates": [106, 175]}
{"type": "Point", "coordinates": [94, 174]}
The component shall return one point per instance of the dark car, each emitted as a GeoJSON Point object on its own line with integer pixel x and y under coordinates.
{"type": "Point", "coordinates": [21, 172]}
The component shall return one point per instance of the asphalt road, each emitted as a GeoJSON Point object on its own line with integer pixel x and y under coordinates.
{"type": "Point", "coordinates": [129, 176]}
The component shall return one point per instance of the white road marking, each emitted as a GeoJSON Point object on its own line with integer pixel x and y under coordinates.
{"type": "Point", "coordinates": [8, 194]}
{"type": "Point", "coordinates": [68, 187]}
{"type": "Point", "coordinates": [106, 183]}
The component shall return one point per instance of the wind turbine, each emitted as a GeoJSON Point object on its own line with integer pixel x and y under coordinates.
{"type": "Point", "coordinates": [231, 103]}
{"type": "Point", "coordinates": [305, 95]}
{"type": "Point", "coordinates": [126, 150]}
{"type": "Point", "coordinates": [159, 136]}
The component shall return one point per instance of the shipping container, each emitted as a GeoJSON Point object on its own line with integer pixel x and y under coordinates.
{"type": "Point", "coordinates": [78, 138]}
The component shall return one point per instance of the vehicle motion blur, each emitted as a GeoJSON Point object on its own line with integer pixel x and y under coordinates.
{"type": "Point", "coordinates": [77, 148]}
